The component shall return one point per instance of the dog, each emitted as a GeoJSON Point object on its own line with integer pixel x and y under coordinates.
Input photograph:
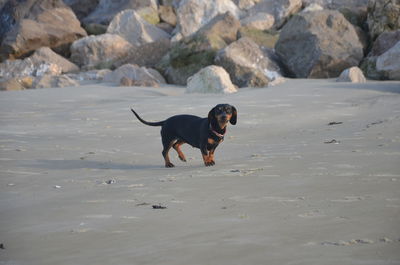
{"type": "Point", "coordinates": [203, 133]}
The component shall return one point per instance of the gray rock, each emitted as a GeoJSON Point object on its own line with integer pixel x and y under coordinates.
{"type": "Point", "coordinates": [129, 25]}
{"type": "Point", "coordinates": [167, 14]}
{"type": "Point", "coordinates": [389, 62]}
{"type": "Point", "coordinates": [353, 75]}
{"type": "Point", "coordinates": [193, 53]}
{"type": "Point", "coordinates": [384, 42]}
{"type": "Point", "coordinates": [148, 54]}
{"type": "Point", "coordinates": [34, 24]}
{"type": "Point", "coordinates": [246, 64]}
{"type": "Point", "coordinates": [193, 14]}
{"type": "Point", "coordinates": [319, 44]}
{"type": "Point", "coordinates": [45, 54]}
{"type": "Point", "coordinates": [280, 9]}
{"type": "Point", "coordinates": [383, 16]}
{"type": "Point", "coordinates": [107, 10]}
{"type": "Point", "coordinates": [99, 51]}
{"type": "Point", "coordinates": [211, 79]}
{"type": "Point", "coordinates": [50, 81]}
{"type": "Point", "coordinates": [134, 72]}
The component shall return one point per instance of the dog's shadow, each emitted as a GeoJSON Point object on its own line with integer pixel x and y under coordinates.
{"type": "Point", "coordinates": [87, 164]}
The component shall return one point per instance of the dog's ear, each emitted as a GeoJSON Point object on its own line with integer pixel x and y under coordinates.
{"type": "Point", "coordinates": [233, 119]}
{"type": "Point", "coordinates": [211, 115]}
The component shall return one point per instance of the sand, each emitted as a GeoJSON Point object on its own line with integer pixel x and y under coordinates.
{"type": "Point", "coordinates": [309, 175]}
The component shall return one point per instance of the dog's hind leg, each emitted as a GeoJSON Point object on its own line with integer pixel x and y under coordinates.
{"type": "Point", "coordinates": [167, 144]}
{"type": "Point", "coordinates": [177, 147]}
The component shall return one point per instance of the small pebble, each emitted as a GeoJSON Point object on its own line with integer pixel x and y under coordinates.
{"type": "Point", "coordinates": [386, 240]}
{"type": "Point", "coordinates": [111, 181]}
{"type": "Point", "coordinates": [159, 207]}
{"type": "Point", "coordinates": [2, 246]}
{"type": "Point", "coordinates": [57, 187]}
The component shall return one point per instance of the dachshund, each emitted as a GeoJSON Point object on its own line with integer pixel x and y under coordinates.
{"type": "Point", "coordinates": [203, 133]}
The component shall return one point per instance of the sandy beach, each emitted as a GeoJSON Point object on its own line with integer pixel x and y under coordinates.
{"type": "Point", "coordinates": [310, 175]}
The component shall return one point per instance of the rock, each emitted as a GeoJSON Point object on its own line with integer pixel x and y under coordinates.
{"type": "Point", "coordinates": [45, 54]}
{"type": "Point", "coordinates": [148, 54]}
{"type": "Point", "coordinates": [129, 25]}
{"type": "Point", "coordinates": [99, 51]}
{"type": "Point", "coordinates": [212, 79]}
{"type": "Point", "coordinates": [245, 4]}
{"type": "Point", "coordinates": [95, 29]}
{"type": "Point", "coordinates": [263, 38]}
{"type": "Point", "coordinates": [312, 7]}
{"type": "Point", "coordinates": [383, 16]}
{"type": "Point", "coordinates": [166, 27]}
{"type": "Point", "coordinates": [193, 14]}
{"type": "Point", "coordinates": [336, 4]}
{"type": "Point", "coordinates": [107, 10]}
{"type": "Point", "coordinates": [260, 21]}
{"type": "Point", "coordinates": [281, 10]}
{"type": "Point", "coordinates": [193, 53]}
{"type": "Point", "coordinates": [384, 42]}
{"type": "Point", "coordinates": [353, 75]}
{"type": "Point", "coordinates": [389, 62]}
{"type": "Point", "coordinates": [92, 75]}
{"type": "Point", "coordinates": [167, 14]}
{"type": "Point", "coordinates": [82, 8]}
{"type": "Point", "coordinates": [246, 64]}
{"type": "Point", "coordinates": [27, 67]}
{"type": "Point", "coordinates": [145, 83]}
{"type": "Point", "coordinates": [319, 44]}
{"type": "Point", "coordinates": [134, 72]}
{"type": "Point", "coordinates": [34, 24]}
{"type": "Point", "coordinates": [49, 81]}
{"type": "Point", "coordinates": [11, 84]}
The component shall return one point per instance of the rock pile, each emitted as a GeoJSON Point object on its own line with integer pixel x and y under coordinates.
{"type": "Point", "coordinates": [52, 43]}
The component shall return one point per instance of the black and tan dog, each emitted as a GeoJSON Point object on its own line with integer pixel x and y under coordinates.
{"type": "Point", "coordinates": [203, 133]}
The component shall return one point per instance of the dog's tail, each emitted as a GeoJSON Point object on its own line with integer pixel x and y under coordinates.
{"type": "Point", "coordinates": [160, 123]}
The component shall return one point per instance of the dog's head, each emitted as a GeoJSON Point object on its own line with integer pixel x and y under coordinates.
{"type": "Point", "coordinates": [222, 114]}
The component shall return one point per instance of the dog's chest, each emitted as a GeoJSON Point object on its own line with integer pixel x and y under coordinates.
{"type": "Point", "coordinates": [213, 142]}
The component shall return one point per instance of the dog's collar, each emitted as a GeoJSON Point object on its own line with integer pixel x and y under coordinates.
{"type": "Point", "coordinates": [221, 136]}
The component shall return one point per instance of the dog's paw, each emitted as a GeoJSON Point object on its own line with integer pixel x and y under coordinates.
{"type": "Point", "coordinates": [209, 163]}
{"type": "Point", "coordinates": [169, 164]}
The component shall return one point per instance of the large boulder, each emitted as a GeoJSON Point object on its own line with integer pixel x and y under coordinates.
{"type": "Point", "coordinates": [193, 14]}
{"type": "Point", "coordinates": [198, 51]}
{"type": "Point", "coordinates": [129, 25]}
{"type": "Point", "coordinates": [383, 43]}
{"type": "Point", "coordinates": [212, 79]}
{"type": "Point", "coordinates": [16, 83]}
{"type": "Point", "coordinates": [135, 73]}
{"type": "Point", "coordinates": [106, 10]}
{"type": "Point", "coordinates": [27, 67]}
{"type": "Point", "coordinates": [247, 64]}
{"type": "Point", "coordinates": [353, 75]}
{"type": "Point", "coordinates": [260, 21]}
{"type": "Point", "coordinates": [319, 44]}
{"type": "Point", "coordinates": [383, 15]}
{"type": "Point", "coordinates": [50, 81]}
{"type": "Point", "coordinates": [99, 51]}
{"type": "Point", "coordinates": [281, 10]}
{"type": "Point", "coordinates": [82, 8]}
{"type": "Point", "coordinates": [148, 54]}
{"type": "Point", "coordinates": [32, 24]}
{"type": "Point", "coordinates": [263, 38]}
{"type": "Point", "coordinates": [45, 54]}
{"type": "Point", "coordinates": [389, 63]}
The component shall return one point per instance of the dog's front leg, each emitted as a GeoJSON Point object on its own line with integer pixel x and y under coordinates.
{"type": "Point", "coordinates": [207, 157]}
